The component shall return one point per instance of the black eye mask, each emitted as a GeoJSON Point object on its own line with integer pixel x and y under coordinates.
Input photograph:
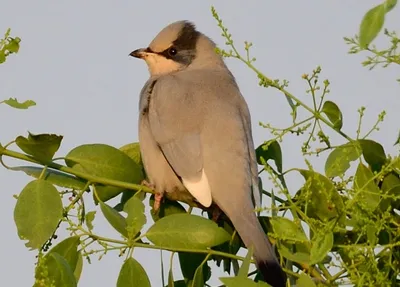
{"type": "Point", "coordinates": [183, 49]}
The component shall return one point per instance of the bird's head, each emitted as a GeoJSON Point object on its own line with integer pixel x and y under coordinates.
{"type": "Point", "coordinates": [176, 47]}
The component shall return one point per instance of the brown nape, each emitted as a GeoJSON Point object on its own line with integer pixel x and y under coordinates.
{"type": "Point", "coordinates": [272, 273]}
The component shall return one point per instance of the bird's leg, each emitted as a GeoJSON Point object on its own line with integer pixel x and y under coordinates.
{"type": "Point", "coordinates": [216, 213]}
{"type": "Point", "coordinates": [157, 196]}
{"type": "Point", "coordinates": [157, 201]}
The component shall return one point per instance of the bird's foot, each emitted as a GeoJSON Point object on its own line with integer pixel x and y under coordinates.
{"type": "Point", "coordinates": [147, 184]}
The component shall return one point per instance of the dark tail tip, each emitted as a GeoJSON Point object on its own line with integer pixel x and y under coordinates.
{"type": "Point", "coordinates": [272, 273]}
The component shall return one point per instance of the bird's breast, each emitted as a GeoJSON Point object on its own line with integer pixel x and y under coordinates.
{"type": "Point", "coordinates": [146, 96]}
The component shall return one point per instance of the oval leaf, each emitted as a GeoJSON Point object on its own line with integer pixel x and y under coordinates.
{"type": "Point", "coordinates": [367, 192]}
{"type": "Point", "coordinates": [391, 188]}
{"type": "Point", "coordinates": [133, 151]}
{"type": "Point", "coordinates": [55, 177]}
{"type": "Point", "coordinates": [371, 24]}
{"type": "Point", "coordinates": [114, 218]}
{"type": "Point", "coordinates": [57, 272]}
{"type": "Point", "coordinates": [270, 150]}
{"type": "Point", "coordinates": [319, 197]}
{"type": "Point", "coordinates": [332, 111]}
{"type": "Point", "coordinates": [186, 231]}
{"type": "Point", "coordinates": [132, 274]}
{"type": "Point", "coordinates": [134, 207]}
{"type": "Point", "coordinates": [374, 154]}
{"type": "Point", "coordinates": [68, 249]}
{"type": "Point", "coordinates": [285, 229]}
{"type": "Point", "coordinates": [78, 267]}
{"type": "Point", "coordinates": [321, 244]}
{"type": "Point", "coordinates": [37, 212]}
{"type": "Point", "coordinates": [298, 252]}
{"type": "Point", "coordinates": [105, 161]}
{"type": "Point", "coordinates": [42, 146]}
{"type": "Point", "coordinates": [126, 195]}
{"type": "Point", "coordinates": [338, 161]}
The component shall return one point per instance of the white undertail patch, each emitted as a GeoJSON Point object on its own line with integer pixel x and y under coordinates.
{"type": "Point", "coordinates": [200, 189]}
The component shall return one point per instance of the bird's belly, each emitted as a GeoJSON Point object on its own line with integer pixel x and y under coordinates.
{"type": "Point", "coordinates": [157, 168]}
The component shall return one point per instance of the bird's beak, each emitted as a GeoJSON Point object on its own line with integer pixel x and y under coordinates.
{"type": "Point", "coordinates": [140, 53]}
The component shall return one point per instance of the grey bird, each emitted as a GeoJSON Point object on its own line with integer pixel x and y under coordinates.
{"type": "Point", "coordinates": [195, 134]}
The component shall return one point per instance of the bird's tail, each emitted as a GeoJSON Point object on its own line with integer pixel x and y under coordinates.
{"type": "Point", "coordinates": [252, 234]}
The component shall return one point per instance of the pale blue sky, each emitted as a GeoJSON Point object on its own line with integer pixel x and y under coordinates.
{"type": "Point", "coordinates": [74, 63]}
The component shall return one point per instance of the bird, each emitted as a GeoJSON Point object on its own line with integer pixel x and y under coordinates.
{"type": "Point", "coordinates": [195, 134]}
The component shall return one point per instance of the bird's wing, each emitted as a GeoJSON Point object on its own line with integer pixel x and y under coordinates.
{"type": "Point", "coordinates": [175, 125]}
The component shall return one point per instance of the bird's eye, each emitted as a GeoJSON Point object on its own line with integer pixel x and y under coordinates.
{"type": "Point", "coordinates": [172, 51]}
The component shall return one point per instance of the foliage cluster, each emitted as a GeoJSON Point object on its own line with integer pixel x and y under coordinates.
{"type": "Point", "coordinates": [340, 227]}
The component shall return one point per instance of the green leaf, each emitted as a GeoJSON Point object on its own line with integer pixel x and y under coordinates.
{"type": "Point", "coordinates": [68, 249]}
{"type": "Point", "coordinates": [390, 187]}
{"type": "Point", "coordinates": [199, 279]}
{"type": "Point", "coordinates": [297, 252]}
{"type": "Point", "coordinates": [367, 192]}
{"type": "Point", "coordinates": [42, 146]}
{"type": "Point", "coordinates": [232, 246]}
{"type": "Point", "coordinates": [54, 176]}
{"type": "Point", "coordinates": [2, 59]}
{"type": "Point", "coordinates": [270, 150]}
{"type": "Point", "coordinates": [186, 231]}
{"type": "Point", "coordinates": [374, 154]}
{"type": "Point", "coordinates": [179, 283]}
{"type": "Point", "coordinates": [319, 197]}
{"type": "Point", "coordinates": [89, 217]}
{"type": "Point", "coordinates": [389, 5]}
{"type": "Point", "coordinates": [371, 25]}
{"type": "Point", "coordinates": [13, 45]}
{"type": "Point", "coordinates": [133, 151]}
{"type": "Point", "coordinates": [338, 161]}
{"type": "Point", "coordinates": [114, 218]}
{"type": "Point", "coordinates": [105, 161]}
{"type": "Point", "coordinates": [134, 207]}
{"type": "Point", "coordinates": [37, 212]}
{"type": "Point", "coordinates": [79, 267]}
{"type": "Point", "coordinates": [332, 111]}
{"type": "Point", "coordinates": [321, 244]}
{"type": "Point", "coordinates": [189, 263]}
{"type": "Point", "coordinates": [285, 229]}
{"type": "Point", "coordinates": [397, 140]}
{"type": "Point", "coordinates": [244, 269]}
{"type": "Point", "coordinates": [126, 195]}
{"type": "Point", "coordinates": [132, 274]}
{"type": "Point", "coordinates": [59, 272]}
{"type": "Point", "coordinates": [14, 102]}
{"type": "Point", "coordinates": [167, 208]}
{"type": "Point", "coordinates": [305, 281]}
{"type": "Point", "coordinates": [242, 282]}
